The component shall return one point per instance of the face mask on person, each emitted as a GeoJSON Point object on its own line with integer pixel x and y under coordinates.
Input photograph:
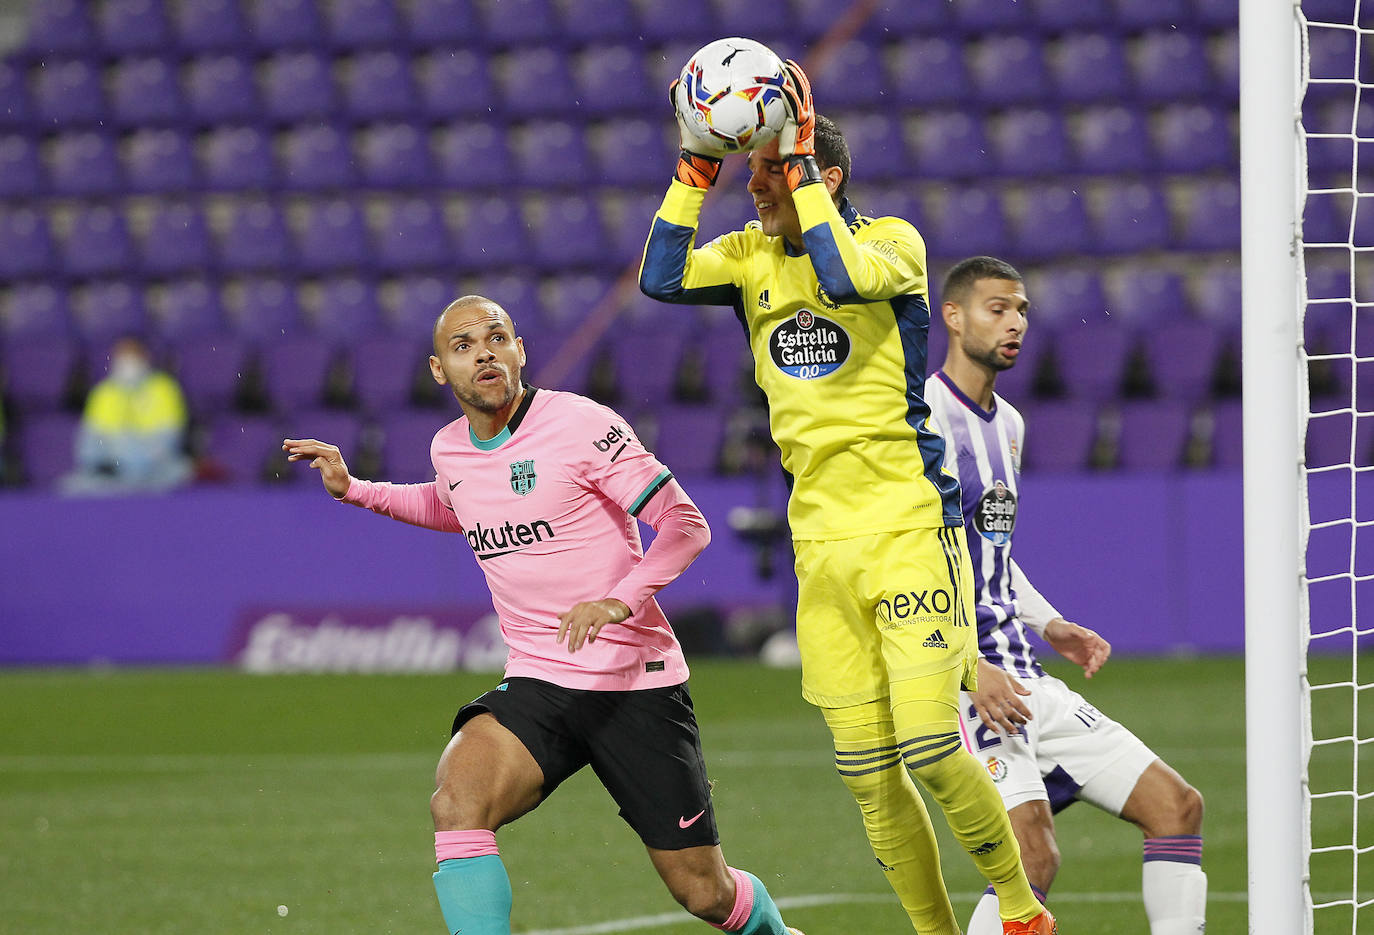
{"type": "Point", "coordinates": [128, 369]}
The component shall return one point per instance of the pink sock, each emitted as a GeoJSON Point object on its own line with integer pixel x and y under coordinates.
{"type": "Point", "coordinates": [744, 902]}
{"type": "Point", "coordinates": [451, 845]}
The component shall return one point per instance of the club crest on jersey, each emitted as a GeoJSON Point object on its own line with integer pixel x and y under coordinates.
{"type": "Point", "coordinates": [522, 476]}
{"type": "Point", "coordinates": [995, 515]}
{"type": "Point", "coordinates": [996, 768]}
{"type": "Point", "coordinates": [808, 346]}
{"type": "Point", "coordinates": [824, 298]}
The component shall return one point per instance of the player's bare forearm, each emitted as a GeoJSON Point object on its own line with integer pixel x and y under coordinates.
{"type": "Point", "coordinates": [1079, 645]}
{"type": "Point", "coordinates": [998, 699]}
{"type": "Point", "coordinates": [325, 458]}
{"type": "Point", "coordinates": [582, 622]}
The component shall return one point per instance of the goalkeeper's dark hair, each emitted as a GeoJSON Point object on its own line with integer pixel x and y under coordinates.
{"type": "Point", "coordinates": [832, 150]}
{"type": "Point", "coordinates": [960, 280]}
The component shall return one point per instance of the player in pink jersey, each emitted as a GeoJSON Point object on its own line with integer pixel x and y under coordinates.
{"type": "Point", "coordinates": [546, 487]}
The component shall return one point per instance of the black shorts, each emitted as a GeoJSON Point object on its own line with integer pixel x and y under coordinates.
{"type": "Point", "coordinates": [643, 745]}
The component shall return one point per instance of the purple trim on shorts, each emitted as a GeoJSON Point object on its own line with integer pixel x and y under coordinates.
{"type": "Point", "coordinates": [1175, 848]}
{"type": "Point", "coordinates": [1063, 791]}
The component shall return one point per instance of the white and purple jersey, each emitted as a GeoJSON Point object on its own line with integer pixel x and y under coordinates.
{"type": "Point", "coordinates": [984, 449]}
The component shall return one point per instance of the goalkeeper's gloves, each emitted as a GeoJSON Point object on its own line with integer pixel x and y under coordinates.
{"type": "Point", "coordinates": [694, 167]}
{"type": "Point", "coordinates": [797, 141]}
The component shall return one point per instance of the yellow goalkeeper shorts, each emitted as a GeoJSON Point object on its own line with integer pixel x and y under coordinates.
{"type": "Point", "coordinates": [877, 609]}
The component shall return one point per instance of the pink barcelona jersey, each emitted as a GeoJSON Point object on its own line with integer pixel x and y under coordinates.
{"type": "Point", "coordinates": [549, 508]}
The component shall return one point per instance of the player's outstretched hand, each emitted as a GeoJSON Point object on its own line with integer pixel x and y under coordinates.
{"type": "Point", "coordinates": [584, 621]}
{"type": "Point", "coordinates": [1079, 645]}
{"type": "Point", "coordinates": [325, 458]}
{"type": "Point", "coordinates": [998, 701]}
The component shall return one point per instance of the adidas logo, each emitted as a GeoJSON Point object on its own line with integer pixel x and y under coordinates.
{"type": "Point", "coordinates": [986, 848]}
{"type": "Point", "coordinates": [763, 300]}
{"type": "Point", "coordinates": [936, 640]}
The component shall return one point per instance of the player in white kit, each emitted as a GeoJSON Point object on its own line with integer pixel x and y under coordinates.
{"type": "Point", "coordinates": [1043, 743]}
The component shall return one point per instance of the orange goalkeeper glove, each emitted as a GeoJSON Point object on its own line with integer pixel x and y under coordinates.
{"type": "Point", "coordinates": [797, 141]}
{"type": "Point", "coordinates": [694, 167]}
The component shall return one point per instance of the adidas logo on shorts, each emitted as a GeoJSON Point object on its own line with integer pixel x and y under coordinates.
{"type": "Point", "coordinates": [936, 640]}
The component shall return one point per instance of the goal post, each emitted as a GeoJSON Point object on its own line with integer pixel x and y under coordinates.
{"type": "Point", "coordinates": [1273, 384]}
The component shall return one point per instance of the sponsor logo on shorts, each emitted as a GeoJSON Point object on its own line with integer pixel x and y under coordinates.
{"type": "Point", "coordinates": [685, 823]}
{"type": "Point", "coordinates": [907, 607]}
{"type": "Point", "coordinates": [808, 346]}
{"type": "Point", "coordinates": [986, 848]}
{"type": "Point", "coordinates": [995, 515]}
{"type": "Point", "coordinates": [936, 640]}
{"type": "Point", "coordinates": [997, 769]}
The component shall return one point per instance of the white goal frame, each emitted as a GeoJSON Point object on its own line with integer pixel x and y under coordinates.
{"type": "Point", "coordinates": [1274, 484]}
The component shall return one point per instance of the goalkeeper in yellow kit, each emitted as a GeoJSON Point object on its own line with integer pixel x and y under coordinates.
{"type": "Point", "coordinates": [836, 312]}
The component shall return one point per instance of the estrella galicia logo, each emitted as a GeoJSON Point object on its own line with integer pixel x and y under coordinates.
{"type": "Point", "coordinates": [808, 346]}
{"type": "Point", "coordinates": [522, 476]}
{"type": "Point", "coordinates": [995, 517]}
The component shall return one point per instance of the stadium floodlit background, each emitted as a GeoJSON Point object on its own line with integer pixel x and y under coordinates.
{"type": "Point", "coordinates": [283, 193]}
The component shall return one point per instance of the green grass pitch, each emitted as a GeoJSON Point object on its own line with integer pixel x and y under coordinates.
{"type": "Point", "coordinates": [206, 801]}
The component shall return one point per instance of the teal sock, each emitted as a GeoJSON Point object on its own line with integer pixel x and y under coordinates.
{"type": "Point", "coordinates": [764, 918]}
{"type": "Point", "coordinates": [474, 895]}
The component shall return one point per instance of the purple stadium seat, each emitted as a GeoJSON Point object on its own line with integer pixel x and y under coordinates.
{"type": "Point", "coordinates": [159, 161]}
{"type": "Point", "coordinates": [411, 303]}
{"type": "Point", "coordinates": [281, 24]}
{"type": "Point", "coordinates": [318, 157]}
{"type": "Point", "coordinates": [1225, 56]}
{"type": "Point", "coordinates": [1065, 296]}
{"type": "Point", "coordinates": [1212, 221]}
{"type": "Point", "coordinates": [21, 171]}
{"type": "Point", "coordinates": [455, 82]}
{"type": "Point", "coordinates": [344, 429]}
{"type": "Point", "coordinates": [1218, 294]}
{"type": "Point", "coordinates": [83, 163]}
{"type": "Point", "coordinates": [396, 155]}
{"type": "Point", "coordinates": [492, 234]}
{"type": "Point", "coordinates": [442, 22]}
{"type": "Point", "coordinates": [36, 309]}
{"type": "Point", "coordinates": [263, 310]}
{"type": "Point", "coordinates": [1059, 434]}
{"type": "Point", "coordinates": [1131, 217]}
{"type": "Point", "coordinates": [345, 309]}
{"type": "Point", "coordinates": [925, 72]}
{"type": "Point", "coordinates": [1227, 438]}
{"type": "Point", "coordinates": [145, 91]}
{"type": "Point", "coordinates": [881, 140]}
{"type": "Point", "coordinates": [255, 238]}
{"type": "Point", "coordinates": [992, 16]}
{"type": "Point", "coordinates": [332, 235]}
{"type": "Point", "coordinates": [1215, 14]}
{"type": "Point", "coordinates": [516, 23]}
{"type": "Point", "coordinates": [133, 26]}
{"type": "Point", "coordinates": [1072, 16]}
{"type": "Point", "coordinates": [1154, 436]}
{"type": "Point", "coordinates": [1091, 357]}
{"type": "Point", "coordinates": [1335, 439]}
{"type": "Point", "coordinates": [412, 235]}
{"type": "Point", "coordinates": [1089, 67]}
{"type": "Point", "coordinates": [354, 24]}
{"type": "Point", "coordinates": [26, 244]}
{"type": "Point", "coordinates": [237, 159]}
{"type": "Point", "coordinates": [898, 18]}
{"type": "Point", "coordinates": [1135, 15]}
{"type": "Point", "coordinates": [294, 371]}
{"type": "Point", "coordinates": [16, 108]}
{"type": "Point", "coordinates": [689, 438]}
{"type": "Point", "coordinates": [645, 363]}
{"type": "Point", "coordinates": [612, 81]}
{"type": "Point", "coordinates": [1183, 356]}
{"type": "Point", "coordinates": [567, 300]}
{"type": "Point", "coordinates": [1031, 142]}
{"type": "Point", "coordinates": [385, 369]}
{"type": "Point", "coordinates": [1331, 53]}
{"type": "Point", "coordinates": [68, 94]}
{"type": "Point", "coordinates": [185, 310]}
{"type": "Point", "coordinates": [47, 446]}
{"type": "Point", "coordinates": [406, 437]}
{"type": "Point", "coordinates": [221, 89]}
{"type": "Point", "coordinates": [59, 27]}
{"type": "Point", "coordinates": [210, 367]}
{"type": "Point", "coordinates": [662, 21]}
{"type": "Point", "coordinates": [566, 230]}
{"type": "Point", "coordinates": [247, 449]}
{"type": "Point", "coordinates": [97, 244]}
{"type": "Point", "coordinates": [1111, 140]}
{"type": "Point", "coordinates": [852, 76]}
{"type": "Point", "coordinates": [1171, 65]}
{"type": "Point", "coordinates": [632, 152]}
{"type": "Point", "coordinates": [377, 86]}
{"type": "Point", "coordinates": [549, 153]}
{"type": "Point", "coordinates": [534, 82]}
{"type": "Point", "coordinates": [1053, 223]}
{"type": "Point", "coordinates": [106, 310]}
{"type": "Point", "coordinates": [971, 223]}
{"type": "Point", "coordinates": [1147, 299]}
{"type": "Point", "coordinates": [298, 86]}
{"type": "Point", "coordinates": [211, 25]}
{"type": "Point", "coordinates": [177, 240]}
{"type": "Point", "coordinates": [588, 22]}
{"type": "Point", "coordinates": [1195, 138]}
{"type": "Point", "coordinates": [1009, 69]}
{"type": "Point", "coordinates": [36, 371]}
{"type": "Point", "coordinates": [951, 144]}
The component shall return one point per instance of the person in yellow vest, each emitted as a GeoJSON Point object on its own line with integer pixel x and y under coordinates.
{"type": "Point", "coordinates": [133, 429]}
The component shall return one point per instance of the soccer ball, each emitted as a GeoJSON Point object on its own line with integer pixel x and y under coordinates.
{"type": "Point", "coordinates": [730, 94]}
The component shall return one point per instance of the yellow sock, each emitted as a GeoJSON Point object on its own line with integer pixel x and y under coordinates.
{"type": "Point", "coordinates": [925, 715]}
{"type": "Point", "coordinates": [894, 815]}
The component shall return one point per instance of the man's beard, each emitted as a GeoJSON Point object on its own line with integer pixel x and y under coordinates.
{"type": "Point", "coordinates": [482, 404]}
{"type": "Point", "coordinates": [990, 358]}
